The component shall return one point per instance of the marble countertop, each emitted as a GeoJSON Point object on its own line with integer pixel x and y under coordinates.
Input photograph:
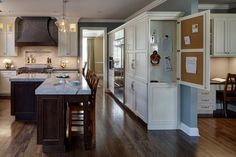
{"type": "Point", "coordinates": [30, 77]}
{"type": "Point", "coordinates": [74, 85]}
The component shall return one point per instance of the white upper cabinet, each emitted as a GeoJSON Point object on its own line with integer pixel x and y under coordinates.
{"type": "Point", "coordinates": [223, 35]}
{"type": "Point", "coordinates": [232, 36]}
{"type": "Point", "coordinates": [7, 36]}
{"type": "Point", "coordinates": [68, 41]}
{"type": "Point", "coordinates": [141, 35]}
{"type": "Point", "coordinates": [129, 37]}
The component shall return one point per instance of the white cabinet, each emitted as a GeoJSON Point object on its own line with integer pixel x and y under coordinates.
{"type": "Point", "coordinates": [68, 41]}
{"type": "Point", "coordinates": [140, 95]}
{"type": "Point", "coordinates": [129, 93]}
{"type": "Point", "coordinates": [136, 97]}
{"type": "Point", "coordinates": [130, 63]}
{"type": "Point", "coordinates": [223, 34]}
{"type": "Point", "coordinates": [111, 80]}
{"type": "Point", "coordinates": [141, 35]}
{"type": "Point", "coordinates": [5, 84]}
{"type": "Point", "coordinates": [163, 107]}
{"type": "Point", "coordinates": [206, 101]}
{"type": "Point", "coordinates": [7, 36]}
{"type": "Point", "coordinates": [129, 37]}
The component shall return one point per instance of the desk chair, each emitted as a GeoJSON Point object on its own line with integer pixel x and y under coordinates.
{"type": "Point", "coordinates": [76, 110]}
{"type": "Point", "coordinates": [229, 91]}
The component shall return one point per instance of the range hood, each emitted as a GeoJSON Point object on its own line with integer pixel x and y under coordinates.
{"type": "Point", "coordinates": [35, 31]}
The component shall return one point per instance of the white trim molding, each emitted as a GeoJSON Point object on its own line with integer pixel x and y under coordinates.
{"type": "Point", "coordinates": [213, 6]}
{"type": "Point", "coordinates": [146, 8]}
{"type": "Point", "coordinates": [188, 130]}
{"type": "Point", "coordinates": [102, 20]}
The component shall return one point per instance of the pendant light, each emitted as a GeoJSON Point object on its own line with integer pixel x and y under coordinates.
{"type": "Point", "coordinates": [62, 23]}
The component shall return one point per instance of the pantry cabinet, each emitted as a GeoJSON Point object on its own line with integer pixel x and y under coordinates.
{"type": "Point", "coordinates": [7, 36]}
{"type": "Point", "coordinates": [223, 35]}
{"type": "Point", "coordinates": [151, 87]}
{"type": "Point", "coordinates": [68, 40]}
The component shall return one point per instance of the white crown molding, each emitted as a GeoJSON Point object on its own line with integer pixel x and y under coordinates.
{"type": "Point", "coordinates": [146, 8]}
{"type": "Point", "coordinates": [188, 130]}
{"type": "Point", "coordinates": [102, 20]}
{"type": "Point", "coordinates": [214, 6]}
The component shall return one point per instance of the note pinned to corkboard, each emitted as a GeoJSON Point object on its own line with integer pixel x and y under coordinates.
{"type": "Point", "coordinates": [192, 67]}
{"type": "Point", "coordinates": [192, 31]}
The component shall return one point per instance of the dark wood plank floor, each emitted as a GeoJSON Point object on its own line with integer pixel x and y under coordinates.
{"type": "Point", "coordinates": [120, 135]}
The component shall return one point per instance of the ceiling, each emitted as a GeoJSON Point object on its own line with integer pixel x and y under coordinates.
{"type": "Point", "coordinates": [216, 1]}
{"type": "Point", "coordinates": [95, 9]}
{"type": "Point", "coordinates": [86, 9]}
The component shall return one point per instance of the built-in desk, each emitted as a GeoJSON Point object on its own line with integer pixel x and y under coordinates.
{"type": "Point", "coordinates": [207, 100]}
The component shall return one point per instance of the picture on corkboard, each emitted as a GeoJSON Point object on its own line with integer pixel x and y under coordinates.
{"type": "Point", "coordinates": [192, 33]}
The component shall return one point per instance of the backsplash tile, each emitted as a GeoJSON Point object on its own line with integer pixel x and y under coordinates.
{"type": "Point", "coordinates": [40, 53]}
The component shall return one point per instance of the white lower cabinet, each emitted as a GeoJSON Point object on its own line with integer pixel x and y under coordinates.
{"type": "Point", "coordinates": [111, 80]}
{"type": "Point", "coordinates": [136, 97]}
{"type": "Point", "coordinates": [207, 99]}
{"type": "Point", "coordinates": [141, 102]}
{"type": "Point", "coordinates": [5, 84]}
{"type": "Point", "coordinates": [163, 110]}
{"type": "Point", "coordinates": [129, 93]}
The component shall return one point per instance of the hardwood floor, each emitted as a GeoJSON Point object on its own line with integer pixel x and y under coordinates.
{"type": "Point", "coordinates": [120, 135]}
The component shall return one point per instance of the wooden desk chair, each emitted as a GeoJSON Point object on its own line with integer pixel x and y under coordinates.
{"type": "Point", "coordinates": [229, 91]}
{"type": "Point", "coordinates": [76, 111]}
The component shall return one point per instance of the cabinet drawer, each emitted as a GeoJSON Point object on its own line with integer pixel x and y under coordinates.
{"type": "Point", "coordinates": [205, 99]}
{"type": "Point", "coordinates": [206, 106]}
{"type": "Point", "coordinates": [206, 93]}
{"type": "Point", "coordinates": [202, 111]}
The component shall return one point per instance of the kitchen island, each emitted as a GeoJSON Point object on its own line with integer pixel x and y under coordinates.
{"type": "Point", "coordinates": [53, 96]}
{"type": "Point", "coordinates": [23, 100]}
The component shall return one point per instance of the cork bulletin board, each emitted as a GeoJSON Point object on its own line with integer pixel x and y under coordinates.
{"type": "Point", "coordinates": [197, 77]}
{"type": "Point", "coordinates": [192, 33]}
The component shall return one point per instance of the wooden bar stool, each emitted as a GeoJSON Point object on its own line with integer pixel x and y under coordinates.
{"type": "Point", "coordinates": [76, 111]}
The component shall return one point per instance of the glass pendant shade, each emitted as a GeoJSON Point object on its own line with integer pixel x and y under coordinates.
{"type": "Point", "coordinates": [62, 23]}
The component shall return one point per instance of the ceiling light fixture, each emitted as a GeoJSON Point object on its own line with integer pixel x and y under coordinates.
{"type": "Point", "coordinates": [62, 23]}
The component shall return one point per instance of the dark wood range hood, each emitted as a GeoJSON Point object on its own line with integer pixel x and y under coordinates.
{"type": "Point", "coordinates": [36, 31]}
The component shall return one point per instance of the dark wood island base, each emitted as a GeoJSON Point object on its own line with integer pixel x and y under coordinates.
{"type": "Point", "coordinates": [51, 121]}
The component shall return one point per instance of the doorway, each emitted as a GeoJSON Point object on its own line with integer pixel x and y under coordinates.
{"type": "Point", "coordinates": [93, 50]}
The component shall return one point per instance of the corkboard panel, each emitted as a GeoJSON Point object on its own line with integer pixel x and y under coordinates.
{"type": "Point", "coordinates": [188, 77]}
{"type": "Point", "coordinates": [196, 39]}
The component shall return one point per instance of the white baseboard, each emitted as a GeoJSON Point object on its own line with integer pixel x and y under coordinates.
{"type": "Point", "coordinates": [162, 125]}
{"type": "Point", "coordinates": [189, 131]}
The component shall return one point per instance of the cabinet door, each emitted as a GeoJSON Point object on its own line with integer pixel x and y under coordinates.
{"type": "Point", "coordinates": [4, 82]}
{"type": "Point", "coordinates": [141, 100]}
{"type": "Point", "coordinates": [194, 50]}
{"type": "Point", "coordinates": [73, 46]}
{"type": "Point", "coordinates": [10, 45]}
{"type": "Point", "coordinates": [231, 36]}
{"type": "Point", "coordinates": [129, 38]}
{"type": "Point", "coordinates": [141, 66]}
{"type": "Point", "coordinates": [62, 45]}
{"type": "Point", "coordinates": [130, 63]}
{"type": "Point", "coordinates": [129, 93]}
{"type": "Point", "coordinates": [219, 35]}
{"type": "Point", "coordinates": [141, 35]}
{"type": "Point", "coordinates": [111, 80]}
{"type": "Point", "coordinates": [2, 44]}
